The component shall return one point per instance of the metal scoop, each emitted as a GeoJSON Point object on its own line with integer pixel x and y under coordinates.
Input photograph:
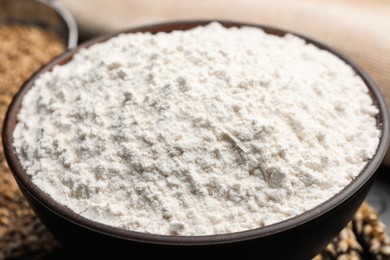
{"type": "Point", "coordinates": [47, 14]}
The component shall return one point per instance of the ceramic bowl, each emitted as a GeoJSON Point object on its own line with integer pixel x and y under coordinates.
{"type": "Point", "coordinates": [300, 237]}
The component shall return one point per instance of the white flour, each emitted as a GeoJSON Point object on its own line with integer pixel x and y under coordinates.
{"type": "Point", "coordinates": [205, 131]}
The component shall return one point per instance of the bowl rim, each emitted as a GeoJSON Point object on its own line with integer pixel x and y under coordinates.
{"type": "Point", "coordinates": [63, 212]}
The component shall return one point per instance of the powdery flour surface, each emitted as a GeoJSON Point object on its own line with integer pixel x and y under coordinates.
{"type": "Point", "coordinates": [205, 131]}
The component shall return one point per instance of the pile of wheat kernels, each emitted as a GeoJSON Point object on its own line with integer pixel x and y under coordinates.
{"type": "Point", "coordinates": [23, 50]}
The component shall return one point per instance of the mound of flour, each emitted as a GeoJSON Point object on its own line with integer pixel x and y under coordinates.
{"type": "Point", "coordinates": [205, 131]}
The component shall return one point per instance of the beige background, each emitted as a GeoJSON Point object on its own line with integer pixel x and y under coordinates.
{"type": "Point", "coordinates": [358, 28]}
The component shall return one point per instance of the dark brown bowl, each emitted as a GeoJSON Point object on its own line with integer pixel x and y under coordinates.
{"type": "Point", "coordinates": [301, 237]}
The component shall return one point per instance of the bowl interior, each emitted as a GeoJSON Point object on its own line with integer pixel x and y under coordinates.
{"type": "Point", "coordinates": [62, 211]}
